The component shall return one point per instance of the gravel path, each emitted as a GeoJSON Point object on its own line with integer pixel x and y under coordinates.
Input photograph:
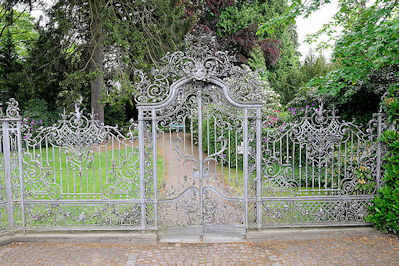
{"type": "Point", "coordinates": [370, 249]}
{"type": "Point", "coordinates": [173, 148]}
{"type": "Point", "coordinates": [182, 172]}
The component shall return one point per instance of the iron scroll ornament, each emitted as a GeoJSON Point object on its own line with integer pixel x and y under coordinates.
{"type": "Point", "coordinates": [244, 85]}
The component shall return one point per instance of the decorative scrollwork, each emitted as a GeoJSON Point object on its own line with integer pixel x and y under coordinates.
{"type": "Point", "coordinates": [12, 110]}
{"type": "Point", "coordinates": [74, 129]}
{"type": "Point", "coordinates": [199, 62]}
{"type": "Point", "coordinates": [339, 211]}
{"type": "Point", "coordinates": [321, 132]}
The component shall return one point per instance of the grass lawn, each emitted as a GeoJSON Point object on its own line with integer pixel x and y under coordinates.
{"type": "Point", "coordinates": [85, 173]}
{"type": "Point", "coordinates": [235, 179]}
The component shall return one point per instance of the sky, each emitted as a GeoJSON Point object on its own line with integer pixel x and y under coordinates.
{"type": "Point", "coordinates": [305, 26]}
{"type": "Point", "coordinates": [311, 25]}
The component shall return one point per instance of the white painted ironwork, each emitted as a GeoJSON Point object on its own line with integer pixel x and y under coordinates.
{"type": "Point", "coordinates": [200, 156]}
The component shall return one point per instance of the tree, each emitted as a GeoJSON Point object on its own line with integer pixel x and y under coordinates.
{"type": "Point", "coordinates": [102, 42]}
{"type": "Point", "coordinates": [96, 60]}
{"type": "Point", "coordinates": [17, 32]}
{"type": "Point", "coordinates": [365, 55]}
{"type": "Point", "coordinates": [237, 24]}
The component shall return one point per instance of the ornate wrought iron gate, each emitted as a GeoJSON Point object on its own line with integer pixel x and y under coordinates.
{"type": "Point", "coordinates": [203, 137]}
{"type": "Point", "coordinates": [202, 155]}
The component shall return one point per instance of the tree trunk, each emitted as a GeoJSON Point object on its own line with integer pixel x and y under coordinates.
{"type": "Point", "coordinates": [97, 60]}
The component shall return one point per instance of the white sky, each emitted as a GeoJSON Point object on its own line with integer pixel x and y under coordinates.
{"type": "Point", "coordinates": [311, 25]}
{"type": "Point", "coordinates": [305, 26]}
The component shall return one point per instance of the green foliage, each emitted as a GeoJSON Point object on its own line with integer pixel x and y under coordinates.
{"type": "Point", "coordinates": [10, 68]}
{"type": "Point", "coordinates": [239, 16]}
{"type": "Point", "coordinates": [17, 31]}
{"type": "Point", "coordinates": [384, 212]}
{"type": "Point", "coordinates": [36, 113]}
{"type": "Point", "coordinates": [54, 62]}
{"type": "Point", "coordinates": [284, 78]}
{"type": "Point", "coordinates": [312, 67]}
{"type": "Point", "coordinates": [367, 50]}
{"type": "Point", "coordinates": [391, 104]}
{"type": "Point", "coordinates": [244, 13]}
{"type": "Point", "coordinates": [365, 55]}
{"type": "Point", "coordinates": [19, 27]}
{"type": "Point", "coordinates": [236, 24]}
{"type": "Point", "coordinates": [115, 114]}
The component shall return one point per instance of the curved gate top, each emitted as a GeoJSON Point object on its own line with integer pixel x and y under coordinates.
{"type": "Point", "coordinates": [199, 124]}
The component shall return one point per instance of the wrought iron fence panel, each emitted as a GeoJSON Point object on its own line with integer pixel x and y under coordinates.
{"type": "Point", "coordinates": [78, 173]}
{"type": "Point", "coordinates": [319, 169]}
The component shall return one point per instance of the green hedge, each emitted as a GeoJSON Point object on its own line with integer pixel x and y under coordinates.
{"type": "Point", "coordinates": [384, 211]}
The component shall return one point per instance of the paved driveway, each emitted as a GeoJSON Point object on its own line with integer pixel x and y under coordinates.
{"type": "Point", "coordinates": [369, 249]}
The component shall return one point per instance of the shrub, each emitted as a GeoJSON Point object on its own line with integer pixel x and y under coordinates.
{"type": "Point", "coordinates": [384, 211]}
{"type": "Point", "coordinates": [115, 114]}
{"type": "Point", "coordinates": [36, 112]}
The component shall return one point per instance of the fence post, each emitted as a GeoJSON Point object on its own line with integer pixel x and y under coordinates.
{"type": "Point", "coordinates": [379, 150]}
{"type": "Point", "coordinates": [7, 171]}
{"type": "Point", "coordinates": [141, 167]}
{"type": "Point", "coordinates": [154, 166]}
{"type": "Point", "coordinates": [258, 167]}
{"type": "Point", "coordinates": [245, 127]}
{"type": "Point", "coordinates": [21, 172]}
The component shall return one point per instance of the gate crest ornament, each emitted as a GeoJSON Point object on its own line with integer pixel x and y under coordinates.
{"type": "Point", "coordinates": [199, 62]}
{"type": "Point", "coordinates": [321, 131]}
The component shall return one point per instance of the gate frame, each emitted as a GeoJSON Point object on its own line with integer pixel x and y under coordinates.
{"type": "Point", "coordinates": [171, 98]}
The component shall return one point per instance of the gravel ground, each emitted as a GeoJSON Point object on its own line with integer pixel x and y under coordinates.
{"type": "Point", "coordinates": [372, 249]}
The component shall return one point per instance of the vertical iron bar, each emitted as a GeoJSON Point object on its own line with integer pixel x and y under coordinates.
{"type": "Point", "coordinates": [245, 126]}
{"type": "Point", "coordinates": [306, 166]}
{"type": "Point", "coordinates": [229, 157]}
{"type": "Point", "coordinates": [200, 163]}
{"type": "Point", "coordinates": [379, 150]}
{"type": "Point", "coordinates": [300, 168]}
{"type": "Point", "coordinates": [164, 159]}
{"type": "Point", "coordinates": [99, 168]}
{"type": "Point", "coordinates": [184, 133]}
{"type": "Point", "coordinates": [215, 143]}
{"type": "Point", "coordinates": [21, 173]}
{"type": "Point", "coordinates": [192, 133]}
{"type": "Point", "coordinates": [154, 166]}
{"type": "Point", "coordinates": [292, 159]}
{"type": "Point", "coordinates": [106, 162]}
{"type": "Point", "coordinates": [59, 158]}
{"type": "Point", "coordinates": [141, 165]}
{"type": "Point", "coordinates": [7, 177]}
{"type": "Point", "coordinates": [339, 166]}
{"type": "Point", "coordinates": [345, 161]}
{"type": "Point", "coordinates": [258, 167]}
{"type": "Point", "coordinates": [53, 153]}
{"type": "Point", "coordinates": [351, 150]}
{"type": "Point", "coordinates": [332, 169]}
{"type": "Point", "coordinates": [236, 143]}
